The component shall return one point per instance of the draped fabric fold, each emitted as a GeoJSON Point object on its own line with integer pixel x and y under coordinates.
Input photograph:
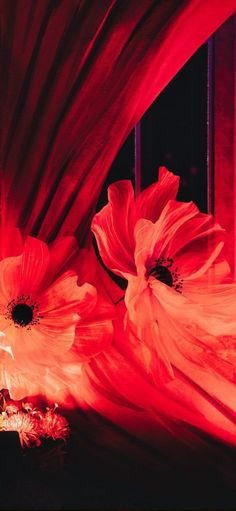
{"type": "Point", "coordinates": [76, 77]}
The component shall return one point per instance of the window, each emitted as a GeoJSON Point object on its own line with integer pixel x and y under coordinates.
{"type": "Point", "coordinates": [190, 128]}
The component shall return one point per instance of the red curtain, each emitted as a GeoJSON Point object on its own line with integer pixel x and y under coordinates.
{"type": "Point", "coordinates": [76, 76]}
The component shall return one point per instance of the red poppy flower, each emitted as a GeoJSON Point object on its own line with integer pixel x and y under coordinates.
{"type": "Point", "coordinates": [170, 254]}
{"type": "Point", "coordinates": [41, 319]}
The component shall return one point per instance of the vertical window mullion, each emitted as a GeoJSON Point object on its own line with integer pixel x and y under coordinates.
{"type": "Point", "coordinates": [224, 133]}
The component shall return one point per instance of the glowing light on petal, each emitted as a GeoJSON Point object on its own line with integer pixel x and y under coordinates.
{"type": "Point", "coordinates": [177, 303]}
{"type": "Point", "coordinates": [50, 327]}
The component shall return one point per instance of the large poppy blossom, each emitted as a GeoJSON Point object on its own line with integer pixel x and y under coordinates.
{"type": "Point", "coordinates": [170, 254]}
{"type": "Point", "coordinates": [46, 317]}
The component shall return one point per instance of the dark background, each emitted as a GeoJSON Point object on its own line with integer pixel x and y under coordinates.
{"type": "Point", "coordinates": [102, 467]}
{"type": "Point", "coordinates": [173, 134]}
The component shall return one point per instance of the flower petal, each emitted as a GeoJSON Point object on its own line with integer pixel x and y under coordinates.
{"type": "Point", "coordinates": [10, 274]}
{"type": "Point", "coordinates": [7, 349]}
{"type": "Point", "coordinates": [196, 240]}
{"type": "Point", "coordinates": [185, 348]}
{"type": "Point", "coordinates": [153, 199]}
{"type": "Point", "coordinates": [176, 306]}
{"type": "Point", "coordinates": [21, 383]}
{"type": "Point", "coordinates": [18, 385]}
{"type": "Point", "coordinates": [11, 242]}
{"type": "Point", "coordinates": [182, 233]}
{"type": "Point", "coordinates": [113, 227]}
{"type": "Point", "coordinates": [12, 378]}
{"type": "Point", "coordinates": [175, 217]}
{"type": "Point", "coordinates": [219, 305]}
{"type": "Point", "coordinates": [190, 355]}
{"type": "Point", "coordinates": [42, 343]}
{"type": "Point", "coordinates": [40, 346]}
{"type": "Point", "coordinates": [64, 296]}
{"type": "Point", "coordinates": [10, 338]}
{"type": "Point", "coordinates": [143, 311]}
{"type": "Point", "coordinates": [35, 260]}
{"type": "Point", "coordinates": [94, 334]}
{"type": "Point", "coordinates": [213, 311]}
{"type": "Point", "coordinates": [146, 236]}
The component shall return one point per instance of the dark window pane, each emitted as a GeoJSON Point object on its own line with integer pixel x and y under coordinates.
{"type": "Point", "coordinates": [122, 168]}
{"type": "Point", "coordinates": [174, 131]}
{"type": "Point", "coordinates": [174, 134]}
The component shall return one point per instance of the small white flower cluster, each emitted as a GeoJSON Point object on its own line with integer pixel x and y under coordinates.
{"type": "Point", "coordinates": [32, 424]}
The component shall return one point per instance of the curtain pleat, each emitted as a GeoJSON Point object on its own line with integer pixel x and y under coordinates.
{"type": "Point", "coordinates": [76, 76]}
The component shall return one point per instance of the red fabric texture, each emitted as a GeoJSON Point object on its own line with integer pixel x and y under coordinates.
{"type": "Point", "coordinates": [76, 78]}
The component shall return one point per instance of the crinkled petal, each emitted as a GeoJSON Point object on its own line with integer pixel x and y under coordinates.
{"type": "Point", "coordinates": [192, 239]}
{"type": "Point", "coordinates": [153, 199]}
{"type": "Point", "coordinates": [119, 384]}
{"type": "Point", "coordinates": [35, 260]}
{"type": "Point", "coordinates": [142, 309]}
{"type": "Point", "coordinates": [146, 306]}
{"type": "Point", "coordinates": [138, 290]}
{"type": "Point", "coordinates": [213, 312]}
{"type": "Point", "coordinates": [23, 274]}
{"type": "Point", "coordinates": [7, 349]}
{"type": "Point", "coordinates": [113, 227]}
{"type": "Point", "coordinates": [146, 236]}
{"type": "Point", "coordinates": [94, 334]}
{"type": "Point", "coordinates": [10, 338]}
{"type": "Point", "coordinates": [218, 304]}
{"type": "Point", "coordinates": [177, 306]}
{"type": "Point", "coordinates": [15, 379]}
{"type": "Point", "coordinates": [174, 215]}
{"type": "Point", "coordinates": [188, 356]}
{"type": "Point", "coordinates": [40, 346]}
{"type": "Point", "coordinates": [21, 384]}
{"type": "Point", "coordinates": [10, 274]}
{"type": "Point", "coordinates": [64, 296]}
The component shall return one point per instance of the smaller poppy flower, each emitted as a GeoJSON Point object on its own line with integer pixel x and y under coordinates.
{"type": "Point", "coordinates": [40, 308]}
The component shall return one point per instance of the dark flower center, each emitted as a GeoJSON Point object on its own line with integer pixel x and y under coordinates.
{"type": "Point", "coordinates": [23, 311]}
{"type": "Point", "coordinates": [164, 271]}
{"type": "Point", "coordinates": [163, 274]}
{"type": "Point", "coordinates": [22, 314]}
